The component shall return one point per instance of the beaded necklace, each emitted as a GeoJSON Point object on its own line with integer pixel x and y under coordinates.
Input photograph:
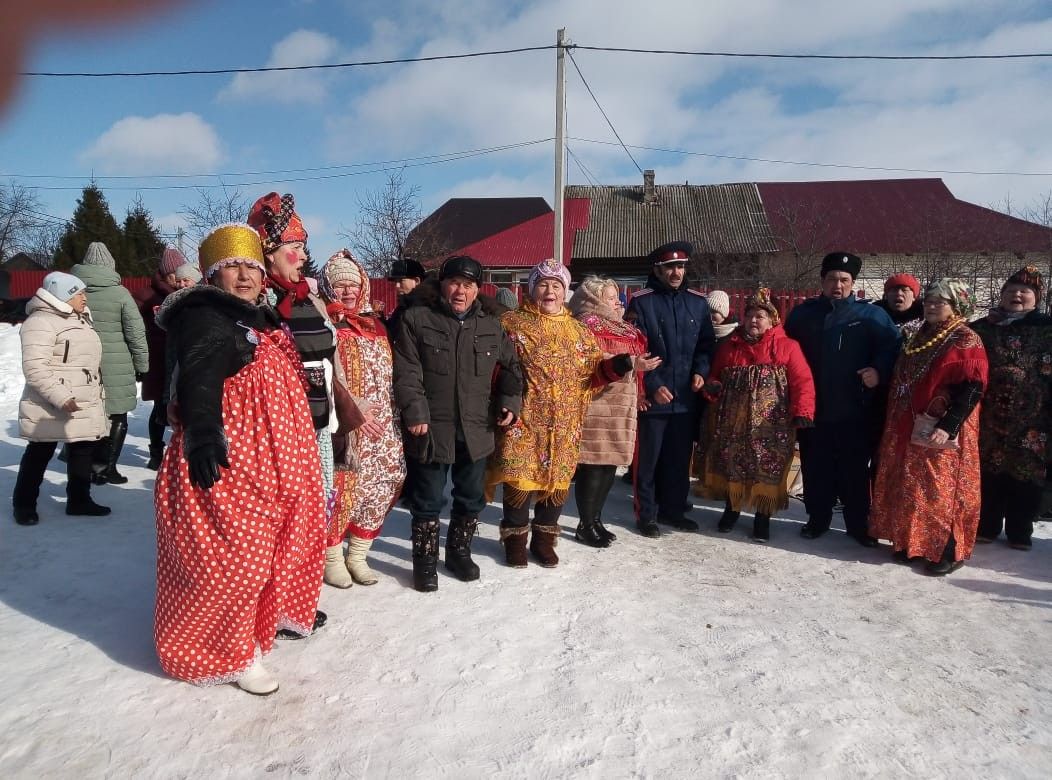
{"type": "Point", "coordinates": [913, 348]}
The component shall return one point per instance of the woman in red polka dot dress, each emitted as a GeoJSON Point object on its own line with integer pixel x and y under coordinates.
{"type": "Point", "coordinates": [240, 550]}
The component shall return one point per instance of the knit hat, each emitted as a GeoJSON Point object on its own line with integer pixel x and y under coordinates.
{"type": "Point", "coordinates": [1030, 277]}
{"type": "Point", "coordinates": [188, 271]}
{"type": "Point", "coordinates": [170, 261]}
{"type": "Point", "coordinates": [274, 217]}
{"type": "Point", "coordinates": [63, 286]}
{"type": "Point", "coordinates": [342, 268]}
{"type": "Point", "coordinates": [761, 299]}
{"type": "Point", "coordinates": [719, 302]}
{"type": "Point", "coordinates": [98, 254]}
{"type": "Point", "coordinates": [842, 261]}
{"type": "Point", "coordinates": [956, 292]}
{"type": "Point", "coordinates": [903, 280]}
{"type": "Point", "coordinates": [229, 244]}
{"type": "Point", "coordinates": [506, 297]}
{"type": "Point", "coordinates": [549, 269]}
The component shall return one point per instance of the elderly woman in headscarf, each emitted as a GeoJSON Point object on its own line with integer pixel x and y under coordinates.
{"type": "Point", "coordinates": [760, 391]}
{"type": "Point", "coordinates": [536, 456]}
{"type": "Point", "coordinates": [239, 498]}
{"type": "Point", "coordinates": [608, 435]}
{"type": "Point", "coordinates": [370, 466]}
{"type": "Point", "coordinates": [1015, 424]}
{"type": "Point", "coordinates": [926, 495]}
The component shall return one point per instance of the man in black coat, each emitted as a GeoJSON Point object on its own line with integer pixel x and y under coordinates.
{"type": "Point", "coordinates": [456, 378]}
{"type": "Point", "coordinates": [851, 348]}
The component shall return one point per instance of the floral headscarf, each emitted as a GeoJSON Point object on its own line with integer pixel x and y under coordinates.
{"type": "Point", "coordinates": [956, 291]}
{"type": "Point", "coordinates": [761, 299]}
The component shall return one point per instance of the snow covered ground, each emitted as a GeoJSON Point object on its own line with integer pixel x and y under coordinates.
{"type": "Point", "coordinates": [696, 655]}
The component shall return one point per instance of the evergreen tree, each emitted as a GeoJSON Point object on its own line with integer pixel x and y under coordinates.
{"type": "Point", "coordinates": [92, 221]}
{"type": "Point", "coordinates": [143, 245]}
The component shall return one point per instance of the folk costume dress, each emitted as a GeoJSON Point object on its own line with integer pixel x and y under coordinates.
{"type": "Point", "coordinates": [922, 496]}
{"type": "Point", "coordinates": [764, 385]}
{"type": "Point", "coordinates": [563, 366]}
{"type": "Point", "coordinates": [243, 559]}
{"type": "Point", "coordinates": [369, 472]}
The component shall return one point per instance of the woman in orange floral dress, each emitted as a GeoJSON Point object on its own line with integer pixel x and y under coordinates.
{"type": "Point", "coordinates": [536, 456]}
{"type": "Point", "coordinates": [926, 495]}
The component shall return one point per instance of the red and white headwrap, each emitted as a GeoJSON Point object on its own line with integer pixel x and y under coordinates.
{"type": "Point", "coordinates": [549, 269]}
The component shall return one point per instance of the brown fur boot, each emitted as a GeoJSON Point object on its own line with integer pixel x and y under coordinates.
{"type": "Point", "coordinates": [514, 540]}
{"type": "Point", "coordinates": [542, 544]}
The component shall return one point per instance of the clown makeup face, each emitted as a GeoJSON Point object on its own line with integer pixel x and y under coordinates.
{"type": "Point", "coordinates": [286, 261]}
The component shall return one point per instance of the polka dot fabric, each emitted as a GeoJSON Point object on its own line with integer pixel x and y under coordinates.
{"type": "Point", "coordinates": [244, 559]}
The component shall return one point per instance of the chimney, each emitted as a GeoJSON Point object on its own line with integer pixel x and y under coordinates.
{"type": "Point", "coordinates": [649, 194]}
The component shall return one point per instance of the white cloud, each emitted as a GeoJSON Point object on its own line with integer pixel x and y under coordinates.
{"type": "Point", "coordinates": [302, 47]}
{"type": "Point", "coordinates": [161, 144]}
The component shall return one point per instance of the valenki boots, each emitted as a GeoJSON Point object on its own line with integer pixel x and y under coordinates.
{"type": "Point", "coordinates": [542, 544]}
{"type": "Point", "coordinates": [458, 548]}
{"type": "Point", "coordinates": [357, 549]}
{"type": "Point", "coordinates": [424, 536]}
{"type": "Point", "coordinates": [335, 570]}
{"type": "Point", "coordinates": [514, 540]}
{"type": "Point", "coordinates": [256, 679]}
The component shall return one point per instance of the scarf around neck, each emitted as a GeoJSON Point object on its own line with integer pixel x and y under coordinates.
{"type": "Point", "coordinates": [294, 292]}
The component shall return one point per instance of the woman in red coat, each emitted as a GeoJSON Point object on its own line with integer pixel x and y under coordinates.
{"type": "Point", "coordinates": [761, 391]}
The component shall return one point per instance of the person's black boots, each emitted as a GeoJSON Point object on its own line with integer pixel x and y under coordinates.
{"type": "Point", "coordinates": [424, 536]}
{"type": "Point", "coordinates": [156, 456]}
{"type": "Point", "coordinates": [946, 563]}
{"type": "Point", "coordinates": [109, 473]}
{"type": "Point", "coordinates": [761, 528]}
{"type": "Point", "coordinates": [26, 515]}
{"type": "Point", "coordinates": [727, 520]}
{"type": "Point", "coordinates": [78, 498]}
{"type": "Point", "coordinates": [586, 491]}
{"type": "Point", "coordinates": [458, 549]}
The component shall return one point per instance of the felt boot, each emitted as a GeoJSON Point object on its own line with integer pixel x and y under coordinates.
{"type": "Point", "coordinates": [514, 540]}
{"type": "Point", "coordinates": [357, 549]}
{"type": "Point", "coordinates": [335, 570]}
{"type": "Point", "coordinates": [542, 544]}
{"type": "Point", "coordinates": [257, 680]}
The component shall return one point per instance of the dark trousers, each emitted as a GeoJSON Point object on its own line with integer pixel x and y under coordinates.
{"type": "Point", "coordinates": [34, 463]}
{"type": "Point", "coordinates": [544, 513]}
{"type": "Point", "coordinates": [662, 479]}
{"type": "Point", "coordinates": [158, 422]}
{"type": "Point", "coordinates": [834, 460]}
{"type": "Point", "coordinates": [1010, 504]}
{"type": "Point", "coordinates": [426, 484]}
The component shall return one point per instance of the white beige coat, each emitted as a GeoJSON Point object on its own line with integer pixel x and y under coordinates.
{"type": "Point", "coordinates": [61, 355]}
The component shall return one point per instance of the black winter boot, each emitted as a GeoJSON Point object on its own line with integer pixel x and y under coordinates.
{"type": "Point", "coordinates": [109, 474]}
{"type": "Point", "coordinates": [458, 548]}
{"type": "Point", "coordinates": [761, 528]}
{"type": "Point", "coordinates": [727, 520]}
{"type": "Point", "coordinates": [26, 515]}
{"type": "Point", "coordinates": [946, 563]}
{"type": "Point", "coordinates": [78, 499]}
{"type": "Point", "coordinates": [156, 456]}
{"type": "Point", "coordinates": [424, 533]}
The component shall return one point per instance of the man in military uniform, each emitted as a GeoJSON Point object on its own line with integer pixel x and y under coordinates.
{"type": "Point", "coordinates": [676, 322]}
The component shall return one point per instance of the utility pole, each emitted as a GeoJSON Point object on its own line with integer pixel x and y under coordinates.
{"type": "Point", "coordinates": [560, 141]}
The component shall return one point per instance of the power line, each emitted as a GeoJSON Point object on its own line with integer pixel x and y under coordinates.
{"type": "Point", "coordinates": [883, 168]}
{"type": "Point", "coordinates": [601, 111]}
{"type": "Point", "coordinates": [584, 169]}
{"type": "Point", "coordinates": [453, 157]}
{"type": "Point", "coordinates": [281, 68]}
{"type": "Point", "coordinates": [522, 49]}
{"type": "Point", "coordinates": [773, 56]}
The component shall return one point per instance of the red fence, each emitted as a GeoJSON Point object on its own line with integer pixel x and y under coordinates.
{"type": "Point", "coordinates": [784, 300]}
{"type": "Point", "coordinates": [25, 283]}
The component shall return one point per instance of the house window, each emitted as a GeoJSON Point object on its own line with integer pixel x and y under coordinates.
{"type": "Point", "coordinates": [503, 278]}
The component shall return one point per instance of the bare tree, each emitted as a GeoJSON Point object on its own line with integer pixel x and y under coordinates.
{"type": "Point", "coordinates": [386, 218]}
{"type": "Point", "coordinates": [213, 209]}
{"type": "Point", "coordinates": [20, 219]}
{"type": "Point", "coordinates": [801, 246]}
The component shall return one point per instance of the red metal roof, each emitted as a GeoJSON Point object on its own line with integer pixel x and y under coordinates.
{"type": "Point", "coordinates": [892, 216]}
{"type": "Point", "coordinates": [528, 243]}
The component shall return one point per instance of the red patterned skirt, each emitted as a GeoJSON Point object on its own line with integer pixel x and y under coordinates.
{"type": "Point", "coordinates": [239, 561]}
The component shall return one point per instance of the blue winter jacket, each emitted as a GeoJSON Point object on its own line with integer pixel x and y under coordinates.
{"type": "Point", "coordinates": [838, 338]}
{"type": "Point", "coordinates": [679, 331]}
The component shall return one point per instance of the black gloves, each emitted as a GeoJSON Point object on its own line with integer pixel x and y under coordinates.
{"type": "Point", "coordinates": [140, 376]}
{"type": "Point", "coordinates": [621, 364]}
{"type": "Point", "coordinates": [203, 463]}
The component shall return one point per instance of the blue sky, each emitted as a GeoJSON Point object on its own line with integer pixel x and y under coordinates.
{"type": "Point", "coordinates": [975, 116]}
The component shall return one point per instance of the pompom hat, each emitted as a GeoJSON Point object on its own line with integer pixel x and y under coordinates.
{"type": "Point", "coordinates": [170, 261]}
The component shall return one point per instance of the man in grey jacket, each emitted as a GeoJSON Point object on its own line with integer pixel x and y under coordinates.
{"type": "Point", "coordinates": [456, 377]}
